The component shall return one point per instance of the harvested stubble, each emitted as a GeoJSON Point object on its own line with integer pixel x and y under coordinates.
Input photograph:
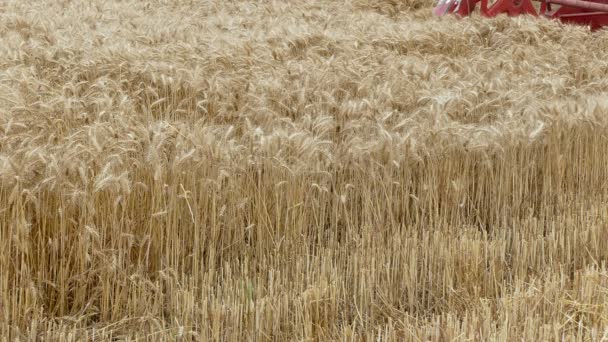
{"type": "Point", "coordinates": [270, 170]}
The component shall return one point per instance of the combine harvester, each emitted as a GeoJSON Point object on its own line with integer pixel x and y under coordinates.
{"type": "Point", "coordinates": [592, 13]}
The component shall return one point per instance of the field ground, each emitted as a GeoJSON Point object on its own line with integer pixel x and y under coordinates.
{"type": "Point", "coordinates": [299, 170]}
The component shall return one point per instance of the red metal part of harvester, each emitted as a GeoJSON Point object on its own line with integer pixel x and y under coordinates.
{"type": "Point", "coordinates": [593, 13]}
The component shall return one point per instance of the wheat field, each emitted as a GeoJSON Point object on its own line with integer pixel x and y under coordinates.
{"type": "Point", "coordinates": [352, 170]}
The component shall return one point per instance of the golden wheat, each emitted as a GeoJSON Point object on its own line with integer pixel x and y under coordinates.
{"type": "Point", "coordinates": [296, 170]}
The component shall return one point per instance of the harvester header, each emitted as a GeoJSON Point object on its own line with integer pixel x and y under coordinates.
{"type": "Point", "coordinates": [593, 13]}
